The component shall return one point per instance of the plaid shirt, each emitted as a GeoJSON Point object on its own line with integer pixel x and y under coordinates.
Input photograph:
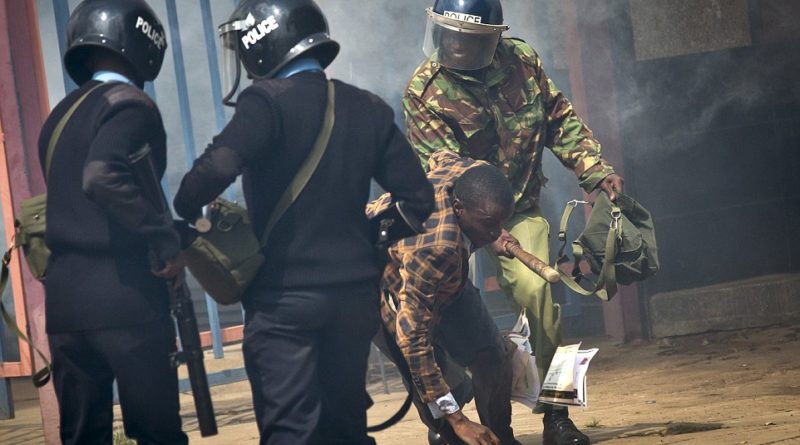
{"type": "Point", "coordinates": [424, 274]}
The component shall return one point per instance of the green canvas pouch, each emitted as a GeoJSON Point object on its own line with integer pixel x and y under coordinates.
{"type": "Point", "coordinates": [29, 227]}
{"type": "Point", "coordinates": [225, 257]}
{"type": "Point", "coordinates": [29, 234]}
{"type": "Point", "coordinates": [618, 243]}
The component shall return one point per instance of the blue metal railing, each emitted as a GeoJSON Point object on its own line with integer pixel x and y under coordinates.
{"type": "Point", "coordinates": [189, 145]}
{"type": "Point", "coordinates": [61, 11]}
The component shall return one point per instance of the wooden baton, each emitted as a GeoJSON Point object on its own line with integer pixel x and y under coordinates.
{"type": "Point", "coordinates": [535, 264]}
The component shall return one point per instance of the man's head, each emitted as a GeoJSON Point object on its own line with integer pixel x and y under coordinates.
{"type": "Point", "coordinates": [483, 202]}
{"type": "Point", "coordinates": [463, 34]}
{"type": "Point", "coordinates": [116, 35]}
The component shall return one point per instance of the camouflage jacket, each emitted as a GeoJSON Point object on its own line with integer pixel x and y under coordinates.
{"type": "Point", "coordinates": [507, 120]}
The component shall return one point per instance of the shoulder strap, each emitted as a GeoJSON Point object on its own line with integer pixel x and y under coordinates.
{"type": "Point", "coordinates": [51, 146]}
{"type": "Point", "coordinates": [42, 376]}
{"type": "Point", "coordinates": [307, 169]}
{"type": "Point", "coordinates": [606, 286]}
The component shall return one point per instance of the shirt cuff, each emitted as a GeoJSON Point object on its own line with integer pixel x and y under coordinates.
{"type": "Point", "coordinates": [595, 175]}
{"type": "Point", "coordinates": [443, 405]}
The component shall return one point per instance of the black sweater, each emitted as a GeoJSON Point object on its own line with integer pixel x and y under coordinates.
{"type": "Point", "coordinates": [323, 239]}
{"type": "Point", "coordinates": [99, 226]}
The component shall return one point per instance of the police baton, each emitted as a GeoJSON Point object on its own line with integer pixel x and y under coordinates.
{"type": "Point", "coordinates": [533, 263]}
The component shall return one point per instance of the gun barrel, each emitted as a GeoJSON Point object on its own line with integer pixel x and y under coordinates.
{"type": "Point", "coordinates": [535, 264]}
{"type": "Point", "coordinates": [193, 354]}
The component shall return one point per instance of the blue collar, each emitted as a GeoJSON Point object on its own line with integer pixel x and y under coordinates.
{"type": "Point", "coordinates": [299, 66]}
{"type": "Point", "coordinates": [110, 76]}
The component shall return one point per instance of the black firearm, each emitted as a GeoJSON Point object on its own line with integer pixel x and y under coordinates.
{"type": "Point", "coordinates": [180, 303]}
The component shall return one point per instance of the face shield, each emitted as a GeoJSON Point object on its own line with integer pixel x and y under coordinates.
{"type": "Point", "coordinates": [230, 65]}
{"type": "Point", "coordinates": [460, 45]}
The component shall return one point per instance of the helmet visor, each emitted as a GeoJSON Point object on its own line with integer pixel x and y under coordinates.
{"type": "Point", "coordinates": [230, 65]}
{"type": "Point", "coordinates": [460, 45]}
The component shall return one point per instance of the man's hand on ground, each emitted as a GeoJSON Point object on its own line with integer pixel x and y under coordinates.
{"type": "Point", "coordinates": [499, 246]}
{"type": "Point", "coordinates": [612, 184]}
{"type": "Point", "coordinates": [470, 432]}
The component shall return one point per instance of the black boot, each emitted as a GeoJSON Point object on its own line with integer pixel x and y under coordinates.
{"type": "Point", "coordinates": [559, 429]}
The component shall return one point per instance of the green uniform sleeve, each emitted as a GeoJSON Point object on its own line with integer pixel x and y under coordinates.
{"type": "Point", "coordinates": [427, 132]}
{"type": "Point", "coordinates": [568, 137]}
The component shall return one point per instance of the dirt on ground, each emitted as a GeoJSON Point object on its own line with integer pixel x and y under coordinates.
{"type": "Point", "coordinates": [738, 387]}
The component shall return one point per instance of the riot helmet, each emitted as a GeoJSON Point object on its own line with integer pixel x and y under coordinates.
{"type": "Point", "coordinates": [263, 36]}
{"type": "Point", "coordinates": [463, 34]}
{"type": "Point", "coordinates": [129, 29]}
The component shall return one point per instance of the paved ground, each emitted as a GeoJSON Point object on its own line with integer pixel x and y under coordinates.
{"type": "Point", "coordinates": [740, 387]}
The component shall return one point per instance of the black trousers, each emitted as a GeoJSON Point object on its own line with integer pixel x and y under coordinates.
{"type": "Point", "coordinates": [85, 365]}
{"type": "Point", "coordinates": [306, 354]}
{"type": "Point", "coordinates": [466, 337]}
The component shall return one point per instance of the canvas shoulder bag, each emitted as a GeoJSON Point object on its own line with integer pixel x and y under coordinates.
{"type": "Point", "coordinates": [226, 254]}
{"type": "Point", "coordinates": [30, 226]}
{"type": "Point", "coordinates": [618, 242]}
{"type": "Point", "coordinates": [29, 231]}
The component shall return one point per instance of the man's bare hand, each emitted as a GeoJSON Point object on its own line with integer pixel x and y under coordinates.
{"type": "Point", "coordinates": [612, 184]}
{"type": "Point", "coordinates": [470, 432]}
{"type": "Point", "coordinates": [499, 246]}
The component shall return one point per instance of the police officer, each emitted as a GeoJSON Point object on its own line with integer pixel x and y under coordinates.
{"type": "Point", "coordinates": [107, 313]}
{"type": "Point", "coordinates": [313, 308]}
{"type": "Point", "coordinates": [487, 97]}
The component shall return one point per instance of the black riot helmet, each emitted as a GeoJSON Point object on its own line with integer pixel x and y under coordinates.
{"type": "Point", "coordinates": [463, 34]}
{"type": "Point", "coordinates": [266, 35]}
{"type": "Point", "coordinates": [129, 29]}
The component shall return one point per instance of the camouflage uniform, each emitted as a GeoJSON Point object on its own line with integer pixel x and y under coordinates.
{"type": "Point", "coordinates": [507, 119]}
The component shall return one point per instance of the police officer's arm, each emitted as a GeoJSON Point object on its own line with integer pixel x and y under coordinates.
{"type": "Point", "coordinates": [245, 138]}
{"type": "Point", "coordinates": [427, 132]}
{"type": "Point", "coordinates": [567, 136]}
{"type": "Point", "coordinates": [398, 172]}
{"type": "Point", "coordinates": [109, 182]}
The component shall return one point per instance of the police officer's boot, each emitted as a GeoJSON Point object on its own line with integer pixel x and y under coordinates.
{"type": "Point", "coordinates": [560, 430]}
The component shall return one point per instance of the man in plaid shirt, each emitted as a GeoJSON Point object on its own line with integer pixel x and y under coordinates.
{"type": "Point", "coordinates": [433, 314]}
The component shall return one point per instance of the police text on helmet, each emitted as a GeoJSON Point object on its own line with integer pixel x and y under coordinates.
{"type": "Point", "coordinates": [147, 29]}
{"type": "Point", "coordinates": [260, 31]}
{"type": "Point", "coordinates": [462, 17]}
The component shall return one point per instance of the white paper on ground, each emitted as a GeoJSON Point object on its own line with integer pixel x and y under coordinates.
{"type": "Point", "coordinates": [565, 382]}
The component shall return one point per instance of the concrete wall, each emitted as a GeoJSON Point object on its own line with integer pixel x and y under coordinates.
{"type": "Point", "coordinates": [745, 304]}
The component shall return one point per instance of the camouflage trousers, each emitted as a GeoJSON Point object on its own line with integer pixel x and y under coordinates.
{"type": "Point", "coordinates": [528, 290]}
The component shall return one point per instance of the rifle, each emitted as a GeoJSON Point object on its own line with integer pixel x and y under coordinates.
{"type": "Point", "coordinates": [181, 304]}
{"type": "Point", "coordinates": [535, 264]}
